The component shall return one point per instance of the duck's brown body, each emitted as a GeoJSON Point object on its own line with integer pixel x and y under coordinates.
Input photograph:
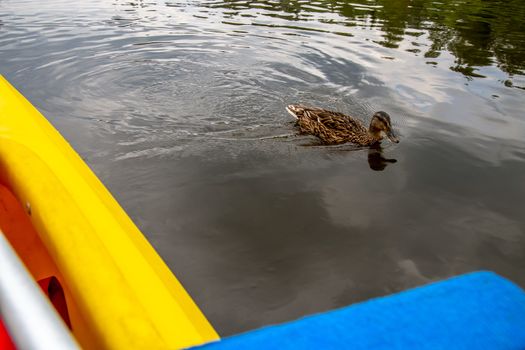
{"type": "Point", "coordinates": [336, 128]}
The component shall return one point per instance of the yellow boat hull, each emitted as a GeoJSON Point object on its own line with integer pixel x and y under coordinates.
{"type": "Point", "coordinates": [63, 222]}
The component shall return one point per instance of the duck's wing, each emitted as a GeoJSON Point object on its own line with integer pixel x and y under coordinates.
{"type": "Point", "coordinates": [338, 121]}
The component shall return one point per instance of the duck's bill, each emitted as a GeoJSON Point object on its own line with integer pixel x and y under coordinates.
{"type": "Point", "coordinates": [392, 137]}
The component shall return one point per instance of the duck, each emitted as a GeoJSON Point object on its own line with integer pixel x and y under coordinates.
{"type": "Point", "coordinates": [336, 128]}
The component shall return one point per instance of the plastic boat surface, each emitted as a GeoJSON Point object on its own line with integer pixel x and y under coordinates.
{"type": "Point", "coordinates": [77, 241]}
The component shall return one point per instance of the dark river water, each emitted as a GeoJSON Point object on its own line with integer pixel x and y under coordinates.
{"type": "Point", "coordinates": [178, 106]}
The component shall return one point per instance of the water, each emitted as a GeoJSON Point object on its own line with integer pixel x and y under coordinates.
{"type": "Point", "coordinates": [178, 106]}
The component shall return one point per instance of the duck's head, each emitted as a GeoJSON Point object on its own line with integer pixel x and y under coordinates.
{"type": "Point", "coordinates": [380, 125]}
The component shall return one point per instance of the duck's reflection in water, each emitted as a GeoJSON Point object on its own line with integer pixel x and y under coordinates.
{"type": "Point", "coordinates": [376, 161]}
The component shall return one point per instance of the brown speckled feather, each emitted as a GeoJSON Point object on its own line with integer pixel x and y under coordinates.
{"type": "Point", "coordinates": [331, 127]}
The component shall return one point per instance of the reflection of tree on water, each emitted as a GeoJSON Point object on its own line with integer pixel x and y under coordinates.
{"type": "Point", "coordinates": [477, 32]}
{"type": "Point", "coordinates": [376, 161]}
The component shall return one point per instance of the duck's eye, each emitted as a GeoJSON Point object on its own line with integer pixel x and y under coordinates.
{"type": "Point", "coordinates": [384, 122]}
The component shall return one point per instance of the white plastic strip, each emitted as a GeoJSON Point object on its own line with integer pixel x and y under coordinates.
{"type": "Point", "coordinates": [29, 317]}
